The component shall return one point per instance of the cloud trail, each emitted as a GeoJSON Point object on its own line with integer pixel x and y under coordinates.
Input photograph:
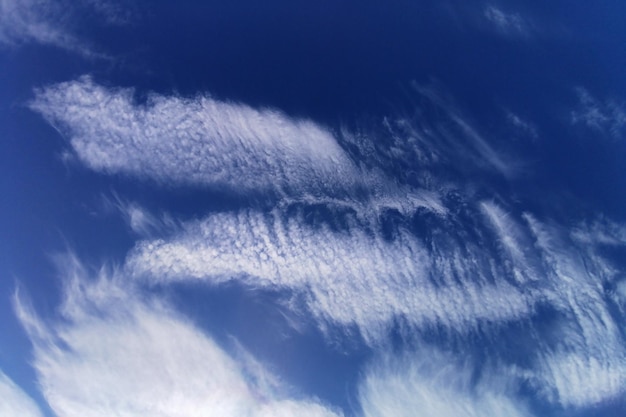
{"type": "Point", "coordinates": [117, 352]}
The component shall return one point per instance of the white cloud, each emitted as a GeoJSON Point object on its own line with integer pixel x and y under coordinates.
{"type": "Point", "coordinates": [608, 117]}
{"type": "Point", "coordinates": [429, 384]}
{"type": "Point", "coordinates": [350, 277]}
{"type": "Point", "coordinates": [115, 352]}
{"type": "Point", "coordinates": [14, 402]}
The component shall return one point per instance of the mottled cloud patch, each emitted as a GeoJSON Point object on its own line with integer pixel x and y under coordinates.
{"type": "Point", "coordinates": [607, 117]}
{"type": "Point", "coordinates": [196, 140]}
{"type": "Point", "coordinates": [116, 352]}
{"type": "Point", "coordinates": [14, 401]}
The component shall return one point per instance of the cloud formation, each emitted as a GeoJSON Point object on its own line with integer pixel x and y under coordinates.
{"type": "Point", "coordinates": [462, 265]}
{"type": "Point", "coordinates": [116, 352]}
{"type": "Point", "coordinates": [14, 401]}
{"type": "Point", "coordinates": [349, 277]}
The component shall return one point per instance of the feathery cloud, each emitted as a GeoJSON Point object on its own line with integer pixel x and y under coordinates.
{"type": "Point", "coordinates": [117, 352]}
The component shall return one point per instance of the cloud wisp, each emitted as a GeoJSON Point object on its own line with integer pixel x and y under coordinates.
{"type": "Point", "coordinates": [44, 22]}
{"type": "Point", "coordinates": [607, 117]}
{"type": "Point", "coordinates": [14, 401]}
{"type": "Point", "coordinates": [434, 135]}
{"type": "Point", "coordinates": [116, 352]}
{"type": "Point", "coordinates": [507, 23]}
{"type": "Point", "coordinates": [431, 384]}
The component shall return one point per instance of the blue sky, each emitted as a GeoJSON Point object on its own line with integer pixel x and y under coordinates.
{"type": "Point", "coordinates": [312, 208]}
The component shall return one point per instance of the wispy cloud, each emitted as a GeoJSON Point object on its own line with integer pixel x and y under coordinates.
{"type": "Point", "coordinates": [524, 126]}
{"type": "Point", "coordinates": [141, 221]}
{"type": "Point", "coordinates": [116, 352]}
{"type": "Point", "coordinates": [430, 384]}
{"type": "Point", "coordinates": [508, 23]}
{"type": "Point", "coordinates": [432, 135]}
{"type": "Point", "coordinates": [607, 117]}
{"type": "Point", "coordinates": [14, 401]}
{"type": "Point", "coordinates": [46, 22]}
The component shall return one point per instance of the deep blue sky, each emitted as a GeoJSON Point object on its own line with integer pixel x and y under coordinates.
{"type": "Point", "coordinates": [328, 208]}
